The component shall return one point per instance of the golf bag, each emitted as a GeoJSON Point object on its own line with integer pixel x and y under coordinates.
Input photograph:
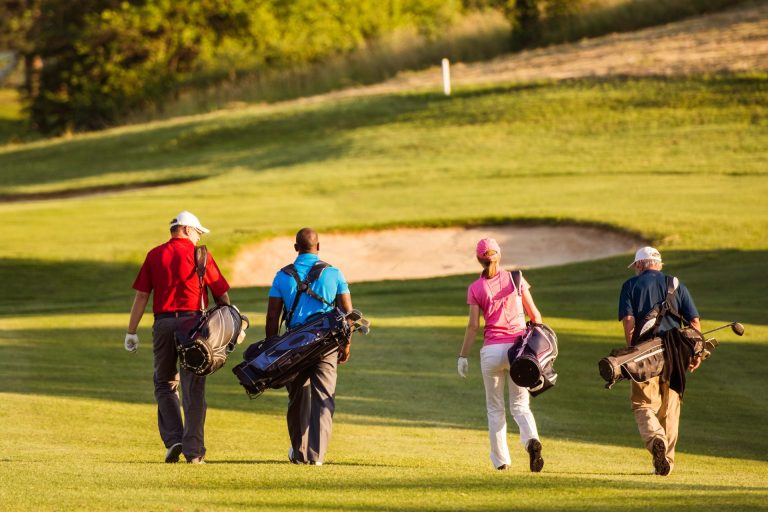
{"type": "Point", "coordinates": [204, 343]}
{"type": "Point", "coordinates": [531, 362]}
{"type": "Point", "coordinates": [645, 360]}
{"type": "Point", "coordinates": [276, 361]}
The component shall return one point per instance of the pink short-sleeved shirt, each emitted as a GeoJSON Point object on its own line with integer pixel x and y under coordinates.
{"type": "Point", "coordinates": [501, 305]}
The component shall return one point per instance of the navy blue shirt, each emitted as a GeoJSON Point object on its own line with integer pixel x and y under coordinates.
{"type": "Point", "coordinates": [330, 284]}
{"type": "Point", "coordinates": [640, 294]}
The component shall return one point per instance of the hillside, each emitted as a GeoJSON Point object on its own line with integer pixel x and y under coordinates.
{"type": "Point", "coordinates": [733, 41]}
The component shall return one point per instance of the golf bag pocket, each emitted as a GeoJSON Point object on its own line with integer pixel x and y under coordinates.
{"type": "Point", "coordinates": [204, 346]}
{"type": "Point", "coordinates": [531, 362]}
{"type": "Point", "coordinates": [276, 361]}
{"type": "Point", "coordinates": [639, 363]}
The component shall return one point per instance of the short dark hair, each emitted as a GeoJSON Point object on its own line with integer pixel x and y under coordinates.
{"type": "Point", "coordinates": [306, 240]}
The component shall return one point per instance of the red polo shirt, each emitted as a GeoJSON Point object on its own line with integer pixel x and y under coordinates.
{"type": "Point", "coordinates": [169, 271]}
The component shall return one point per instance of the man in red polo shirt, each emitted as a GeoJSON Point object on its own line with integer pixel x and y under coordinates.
{"type": "Point", "coordinates": [169, 272]}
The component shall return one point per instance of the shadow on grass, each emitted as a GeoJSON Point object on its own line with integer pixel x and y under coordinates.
{"type": "Point", "coordinates": [402, 377]}
{"type": "Point", "coordinates": [725, 284]}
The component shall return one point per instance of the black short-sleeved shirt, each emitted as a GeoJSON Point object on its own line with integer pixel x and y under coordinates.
{"type": "Point", "coordinates": [640, 294]}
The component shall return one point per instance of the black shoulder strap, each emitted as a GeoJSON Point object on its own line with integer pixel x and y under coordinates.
{"type": "Point", "coordinates": [303, 287]}
{"type": "Point", "coordinates": [517, 280]}
{"type": "Point", "coordinates": [201, 262]}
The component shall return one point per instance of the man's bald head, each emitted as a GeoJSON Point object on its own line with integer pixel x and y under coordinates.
{"type": "Point", "coordinates": [306, 241]}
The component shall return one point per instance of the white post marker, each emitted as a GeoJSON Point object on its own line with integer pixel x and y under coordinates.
{"type": "Point", "coordinates": [446, 77]}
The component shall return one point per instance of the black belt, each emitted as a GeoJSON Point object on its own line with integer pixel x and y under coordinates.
{"type": "Point", "coordinates": [175, 314]}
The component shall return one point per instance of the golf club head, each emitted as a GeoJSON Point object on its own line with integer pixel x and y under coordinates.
{"type": "Point", "coordinates": [737, 328]}
{"type": "Point", "coordinates": [363, 329]}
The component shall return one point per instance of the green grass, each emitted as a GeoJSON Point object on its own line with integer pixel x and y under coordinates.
{"type": "Point", "coordinates": [681, 162]}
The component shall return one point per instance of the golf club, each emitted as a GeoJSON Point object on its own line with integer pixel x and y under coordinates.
{"type": "Point", "coordinates": [736, 327]}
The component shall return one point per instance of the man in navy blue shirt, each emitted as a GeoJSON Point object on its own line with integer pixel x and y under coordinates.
{"type": "Point", "coordinates": [312, 394]}
{"type": "Point", "coordinates": [656, 407]}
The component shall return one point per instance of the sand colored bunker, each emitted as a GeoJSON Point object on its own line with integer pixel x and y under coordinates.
{"type": "Point", "coordinates": [426, 252]}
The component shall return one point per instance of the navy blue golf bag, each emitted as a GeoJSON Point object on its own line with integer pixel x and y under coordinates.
{"type": "Point", "coordinates": [531, 362]}
{"type": "Point", "coordinates": [276, 361]}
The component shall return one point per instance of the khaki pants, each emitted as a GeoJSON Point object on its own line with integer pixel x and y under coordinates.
{"type": "Point", "coordinates": [657, 413]}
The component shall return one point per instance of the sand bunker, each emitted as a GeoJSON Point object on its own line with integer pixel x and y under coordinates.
{"type": "Point", "coordinates": [422, 253]}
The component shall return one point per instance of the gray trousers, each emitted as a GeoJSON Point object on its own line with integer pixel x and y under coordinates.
{"type": "Point", "coordinates": [311, 399]}
{"type": "Point", "coordinates": [172, 429]}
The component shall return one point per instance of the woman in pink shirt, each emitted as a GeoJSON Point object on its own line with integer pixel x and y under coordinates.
{"type": "Point", "coordinates": [503, 309]}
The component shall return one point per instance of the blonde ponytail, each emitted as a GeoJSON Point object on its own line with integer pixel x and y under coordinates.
{"type": "Point", "coordinates": [490, 263]}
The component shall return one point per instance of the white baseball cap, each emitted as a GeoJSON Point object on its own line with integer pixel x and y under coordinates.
{"type": "Point", "coordinates": [186, 218]}
{"type": "Point", "coordinates": [646, 253]}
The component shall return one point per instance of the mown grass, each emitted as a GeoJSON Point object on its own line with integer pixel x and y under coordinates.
{"type": "Point", "coordinates": [680, 162]}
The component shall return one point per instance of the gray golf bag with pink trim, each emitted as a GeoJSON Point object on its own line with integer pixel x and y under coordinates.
{"type": "Point", "coordinates": [531, 362]}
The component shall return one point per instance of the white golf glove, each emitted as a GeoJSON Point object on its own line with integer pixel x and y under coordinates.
{"type": "Point", "coordinates": [131, 342]}
{"type": "Point", "coordinates": [463, 366]}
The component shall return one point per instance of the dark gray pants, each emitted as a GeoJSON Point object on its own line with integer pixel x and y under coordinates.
{"type": "Point", "coordinates": [311, 399]}
{"type": "Point", "coordinates": [172, 429]}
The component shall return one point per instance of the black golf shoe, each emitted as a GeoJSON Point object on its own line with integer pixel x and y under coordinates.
{"type": "Point", "coordinates": [534, 455]}
{"type": "Point", "coordinates": [173, 453]}
{"type": "Point", "coordinates": [660, 462]}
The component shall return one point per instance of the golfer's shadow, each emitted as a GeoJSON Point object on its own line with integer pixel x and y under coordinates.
{"type": "Point", "coordinates": [286, 463]}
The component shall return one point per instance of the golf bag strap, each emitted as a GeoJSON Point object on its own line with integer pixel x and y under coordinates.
{"type": "Point", "coordinates": [201, 262]}
{"type": "Point", "coordinates": [667, 307]}
{"type": "Point", "coordinates": [303, 287]}
{"type": "Point", "coordinates": [517, 279]}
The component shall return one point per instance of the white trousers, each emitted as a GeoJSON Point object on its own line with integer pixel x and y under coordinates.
{"type": "Point", "coordinates": [495, 368]}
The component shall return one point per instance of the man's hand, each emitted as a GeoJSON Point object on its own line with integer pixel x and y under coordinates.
{"type": "Point", "coordinates": [463, 367]}
{"type": "Point", "coordinates": [695, 363]}
{"type": "Point", "coordinates": [344, 354]}
{"type": "Point", "coordinates": [131, 342]}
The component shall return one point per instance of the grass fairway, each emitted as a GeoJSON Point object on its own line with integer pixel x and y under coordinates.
{"type": "Point", "coordinates": [77, 416]}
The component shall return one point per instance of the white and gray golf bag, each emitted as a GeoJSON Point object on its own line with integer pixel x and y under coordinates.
{"type": "Point", "coordinates": [203, 344]}
{"type": "Point", "coordinates": [531, 362]}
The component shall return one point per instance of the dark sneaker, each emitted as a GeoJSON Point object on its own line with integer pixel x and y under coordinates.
{"type": "Point", "coordinates": [534, 454]}
{"type": "Point", "coordinates": [173, 453]}
{"type": "Point", "coordinates": [659, 452]}
{"type": "Point", "coordinates": [291, 458]}
{"type": "Point", "coordinates": [503, 467]}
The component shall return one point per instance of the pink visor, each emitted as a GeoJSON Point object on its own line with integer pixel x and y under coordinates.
{"type": "Point", "coordinates": [487, 244]}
